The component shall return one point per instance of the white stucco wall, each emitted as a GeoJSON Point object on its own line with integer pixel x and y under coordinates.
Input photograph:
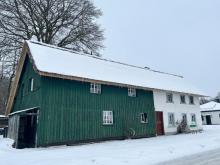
{"type": "Point", "coordinates": [214, 117]}
{"type": "Point", "coordinates": [160, 103]}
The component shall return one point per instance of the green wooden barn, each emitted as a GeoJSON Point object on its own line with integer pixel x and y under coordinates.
{"type": "Point", "coordinates": [62, 97]}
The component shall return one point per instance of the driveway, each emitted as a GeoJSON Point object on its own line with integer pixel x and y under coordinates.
{"type": "Point", "coordinates": [205, 158]}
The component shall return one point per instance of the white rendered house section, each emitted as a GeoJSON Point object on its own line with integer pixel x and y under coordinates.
{"type": "Point", "coordinates": [178, 109]}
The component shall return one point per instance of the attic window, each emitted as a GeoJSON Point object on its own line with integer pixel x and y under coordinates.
{"type": "Point", "coordinates": [31, 84]}
{"type": "Point", "coordinates": [95, 88]}
{"type": "Point", "coordinates": [132, 92]}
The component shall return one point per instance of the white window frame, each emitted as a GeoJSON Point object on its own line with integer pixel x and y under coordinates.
{"type": "Point", "coordinates": [182, 102]}
{"type": "Point", "coordinates": [172, 123]}
{"type": "Point", "coordinates": [193, 118]}
{"type": "Point", "coordinates": [131, 92]}
{"type": "Point", "coordinates": [32, 84]}
{"type": "Point", "coordinates": [107, 117]}
{"type": "Point", "coordinates": [168, 100]}
{"type": "Point", "coordinates": [144, 119]}
{"type": "Point", "coordinates": [193, 102]}
{"type": "Point", "coordinates": [184, 114]}
{"type": "Point", "coordinates": [95, 88]}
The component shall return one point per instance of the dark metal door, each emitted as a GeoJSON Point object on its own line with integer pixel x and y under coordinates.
{"type": "Point", "coordinates": [159, 123]}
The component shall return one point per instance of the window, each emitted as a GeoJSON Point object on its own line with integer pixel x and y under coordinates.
{"type": "Point", "coordinates": [107, 117]}
{"type": "Point", "coordinates": [193, 118]}
{"type": "Point", "coordinates": [184, 117]}
{"type": "Point", "coordinates": [182, 99]}
{"type": "Point", "coordinates": [144, 118]}
{"type": "Point", "coordinates": [219, 115]}
{"type": "Point", "coordinates": [95, 88]}
{"type": "Point", "coordinates": [169, 97]}
{"type": "Point", "coordinates": [132, 92]}
{"type": "Point", "coordinates": [171, 120]}
{"type": "Point", "coordinates": [191, 100]}
{"type": "Point", "coordinates": [31, 84]}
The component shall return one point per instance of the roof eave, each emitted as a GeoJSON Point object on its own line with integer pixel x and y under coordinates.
{"type": "Point", "coordinates": [82, 79]}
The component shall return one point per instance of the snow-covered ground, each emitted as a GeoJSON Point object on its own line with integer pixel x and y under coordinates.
{"type": "Point", "coordinates": [141, 151]}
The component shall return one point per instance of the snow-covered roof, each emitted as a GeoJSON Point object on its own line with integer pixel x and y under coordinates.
{"type": "Point", "coordinates": [51, 59]}
{"type": "Point", "coordinates": [210, 106]}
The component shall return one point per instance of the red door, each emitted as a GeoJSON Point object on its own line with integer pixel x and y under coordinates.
{"type": "Point", "coordinates": [159, 123]}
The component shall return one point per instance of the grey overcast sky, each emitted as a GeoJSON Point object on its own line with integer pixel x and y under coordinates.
{"type": "Point", "coordinates": [177, 36]}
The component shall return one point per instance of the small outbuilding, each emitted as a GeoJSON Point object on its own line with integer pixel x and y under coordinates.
{"type": "Point", "coordinates": [210, 113]}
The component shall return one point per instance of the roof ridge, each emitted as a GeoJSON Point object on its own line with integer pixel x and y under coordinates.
{"type": "Point", "coordinates": [104, 59]}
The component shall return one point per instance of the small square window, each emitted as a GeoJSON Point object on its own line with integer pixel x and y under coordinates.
{"type": "Point", "coordinates": [182, 99]}
{"type": "Point", "coordinates": [191, 100]}
{"type": "Point", "coordinates": [171, 120]}
{"type": "Point", "coordinates": [107, 117]}
{"type": "Point", "coordinates": [95, 88]}
{"type": "Point", "coordinates": [169, 98]}
{"type": "Point", "coordinates": [132, 92]}
{"type": "Point", "coordinates": [144, 118]}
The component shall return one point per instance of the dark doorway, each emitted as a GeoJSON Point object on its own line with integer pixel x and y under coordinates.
{"type": "Point", "coordinates": [27, 130]}
{"type": "Point", "coordinates": [208, 120]}
{"type": "Point", "coordinates": [159, 123]}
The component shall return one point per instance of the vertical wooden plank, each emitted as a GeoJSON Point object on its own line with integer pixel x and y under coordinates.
{"type": "Point", "coordinates": [76, 114]}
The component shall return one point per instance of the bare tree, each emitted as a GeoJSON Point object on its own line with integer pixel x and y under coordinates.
{"type": "Point", "coordinates": [3, 94]}
{"type": "Point", "coordinates": [64, 23]}
{"type": "Point", "coordinates": [4, 85]}
{"type": "Point", "coordinates": [217, 98]}
{"type": "Point", "coordinates": [204, 100]}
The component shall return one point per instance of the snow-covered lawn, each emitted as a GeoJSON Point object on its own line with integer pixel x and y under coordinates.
{"type": "Point", "coordinates": [130, 152]}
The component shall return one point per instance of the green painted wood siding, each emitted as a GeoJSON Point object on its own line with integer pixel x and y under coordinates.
{"type": "Point", "coordinates": [24, 97]}
{"type": "Point", "coordinates": [70, 113]}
